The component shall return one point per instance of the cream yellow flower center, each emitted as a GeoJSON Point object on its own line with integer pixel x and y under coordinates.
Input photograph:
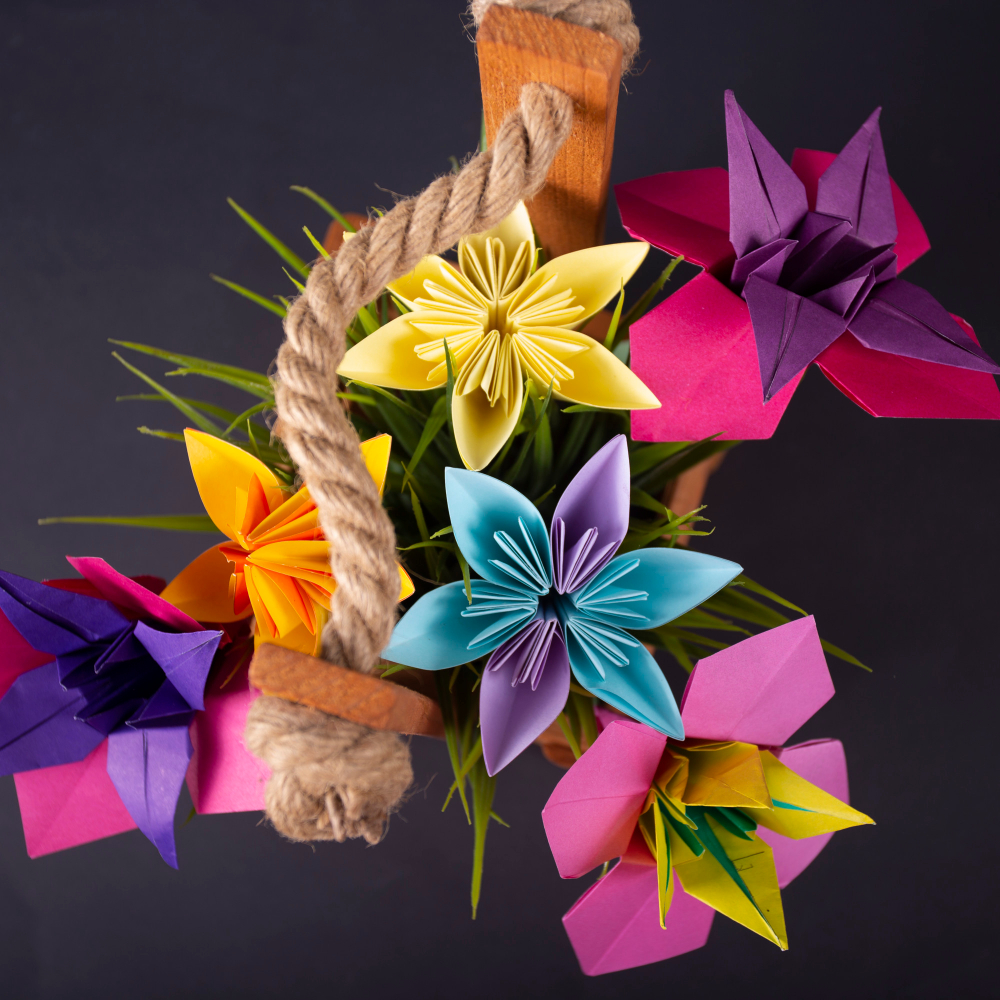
{"type": "Point", "coordinates": [499, 323]}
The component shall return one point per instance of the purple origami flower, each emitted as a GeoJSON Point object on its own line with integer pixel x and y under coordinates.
{"type": "Point", "coordinates": [130, 669]}
{"type": "Point", "coordinates": [554, 602]}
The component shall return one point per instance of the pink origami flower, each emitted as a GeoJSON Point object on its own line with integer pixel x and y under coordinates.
{"type": "Point", "coordinates": [801, 266]}
{"type": "Point", "coordinates": [730, 788]}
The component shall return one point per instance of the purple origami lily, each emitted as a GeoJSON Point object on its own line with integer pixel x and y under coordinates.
{"type": "Point", "coordinates": [554, 602]}
{"type": "Point", "coordinates": [130, 669]}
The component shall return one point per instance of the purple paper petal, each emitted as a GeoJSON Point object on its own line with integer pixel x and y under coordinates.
{"type": "Point", "coordinates": [900, 318]}
{"type": "Point", "coordinates": [816, 236]}
{"type": "Point", "coordinates": [185, 657]}
{"type": "Point", "coordinates": [147, 767]}
{"type": "Point", "coordinates": [847, 297]}
{"type": "Point", "coordinates": [596, 501]}
{"type": "Point", "coordinates": [766, 200]}
{"type": "Point", "coordinates": [790, 332]}
{"type": "Point", "coordinates": [514, 711]}
{"type": "Point", "coordinates": [57, 617]}
{"type": "Point", "coordinates": [167, 707]}
{"type": "Point", "coordinates": [766, 262]}
{"type": "Point", "coordinates": [37, 724]}
{"type": "Point", "coordinates": [856, 187]}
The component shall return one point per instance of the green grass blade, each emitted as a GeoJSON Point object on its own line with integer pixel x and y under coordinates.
{"type": "Point", "coordinates": [202, 422]}
{"type": "Point", "coordinates": [639, 309]}
{"type": "Point", "coordinates": [200, 366]}
{"type": "Point", "coordinates": [316, 243]}
{"type": "Point", "coordinates": [609, 340]}
{"type": "Point", "coordinates": [744, 581]}
{"type": "Point", "coordinates": [246, 415]}
{"type": "Point", "coordinates": [164, 522]}
{"type": "Point", "coordinates": [843, 655]}
{"type": "Point", "coordinates": [252, 296]}
{"type": "Point", "coordinates": [325, 205]}
{"type": "Point", "coordinates": [165, 435]}
{"type": "Point", "coordinates": [288, 256]}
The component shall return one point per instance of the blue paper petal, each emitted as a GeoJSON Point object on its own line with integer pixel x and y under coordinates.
{"type": "Point", "coordinates": [500, 532]}
{"type": "Point", "coordinates": [435, 634]}
{"type": "Point", "coordinates": [37, 724]}
{"type": "Point", "coordinates": [637, 687]}
{"type": "Point", "coordinates": [147, 767]}
{"type": "Point", "coordinates": [649, 587]}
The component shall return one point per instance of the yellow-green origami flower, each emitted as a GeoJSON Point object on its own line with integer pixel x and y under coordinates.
{"type": "Point", "coordinates": [504, 320]}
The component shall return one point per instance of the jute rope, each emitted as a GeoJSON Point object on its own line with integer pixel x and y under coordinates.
{"type": "Point", "coordinates": [612, 17]}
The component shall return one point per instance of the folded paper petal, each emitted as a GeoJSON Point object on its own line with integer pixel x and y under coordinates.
{"type": "Point", "coordinates": [481, 430]}
{"type": "Point", "coordinates": [512, 231]}
{"type": "Point", "coordinates": [201, 589]}
{"type": "Point", "coordinates": [38, 723]}
{"type": "Point", "coordinates": [411, 286]}
{"type": "Point", "coordinates": [147, 767]}
{"type": "Point", "coordinates": [911, 239]}
{"type": "Point", "coordinates": [696, 351]}
{"type": "Point", "coordinates": [387, 357]}
{"type": "Point", "coordinates": [185, 658]}
{"type": "Point", "coordinates": [887, 385]}
{"type": "Point", "coordinates": [512, 715]}
{"type": "Point", "coordinates": [760, 690]}
{"type": "Point", "coordinates": [637, 687]}
{"type": "Point", "coordinates": [130, 595]}
{"type": "Point", "coordinates": [615, 924]}
{"type": "Point", "coordinates": [375, 451]}
{"type": "Point", "coordinates": [70, 804]}
{"type": "Point", "coordinates": [224, 776]}
{"type": "Point", "coordinates": [595, 504]}
{"type": "Point", "coordinates": [650, 587]}
{"type": "Point", "coordinates": [17, 656]}
{"type": "Point", "coordinates": [482, 508]}
{"type": "Point", "coordinates": [683, 212]}
{"type": "Point", "coordinates": [591, 814]}
{"type": "Point", "coordinates": [823, 763]}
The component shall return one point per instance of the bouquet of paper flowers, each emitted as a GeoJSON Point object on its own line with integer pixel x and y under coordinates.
{"type": "Point", "coordinates": [462, 503]}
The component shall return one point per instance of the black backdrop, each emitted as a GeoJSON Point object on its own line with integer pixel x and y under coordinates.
{"type": "Point", "coordinates": [123, 127]}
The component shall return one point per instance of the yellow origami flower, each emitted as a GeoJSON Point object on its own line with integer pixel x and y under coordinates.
{"type": "Point", "coordinates": [504, 320]}
{"type": "Point", "coordinates": [276, 564]}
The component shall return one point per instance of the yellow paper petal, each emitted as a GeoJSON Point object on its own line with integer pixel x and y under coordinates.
{"type": "Point", "coordinates": [594, 276]}
{"type": "Point", "coordinates": [270, 604]}
{"type": "Point", "coordinates": [814, 812]}
{"type": "Point", "coordinates": [726, 774]}
{"type": "Point", "coordinates": [706, 879]}
{"type": "Point", "coordinates": [387, 358]}
{"type": "Point", "coordinates": [512, 232]}
{"type": "Point", "coordinates": [406, 587]}
{"type": "Point", "coordinates": [300, 639]}
{"type": "Point", "coordinates": [411, 286]}
{"type": "Point", "coordinates": [376, 454]}
{"type": "Point", "coordinates": [201, 589]}
{"type": "Point", "coordinates": [482, 430]}
{"type": "Point", "coordinates": [222, 473]}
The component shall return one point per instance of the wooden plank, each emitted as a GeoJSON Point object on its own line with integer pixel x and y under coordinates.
{"type": "Point", "coordinates": [379, 704]}
{"type": "Point", "coordinates": [515, 47]}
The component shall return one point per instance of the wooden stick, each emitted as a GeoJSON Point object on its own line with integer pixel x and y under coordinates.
{"type": "Point", "coordinates": [516, 46]}
{"type": "Point", "coordinates": [284, 673]}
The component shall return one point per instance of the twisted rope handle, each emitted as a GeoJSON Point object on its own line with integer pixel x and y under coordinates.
{"type": "Point", "coordinates": [333, 778]}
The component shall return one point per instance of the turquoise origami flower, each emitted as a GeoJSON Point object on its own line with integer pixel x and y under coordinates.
{"type": "Point", "coordinates": [552, 602]}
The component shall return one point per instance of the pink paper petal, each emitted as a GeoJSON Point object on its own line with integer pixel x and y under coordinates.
{"type": "Point", "coordinates": [682, 212]}
{"type": "Point", "coordinates": [760, 690]}
{"type": "Point", "coordinates": [592, 812]}
{"type": "Point", "coordinates": [70, 804]}
{"type": "Point", "coordinates": [911, 241]}
{"type": "Point", "coordinates": [130, 595]}
{"type": "Point", "coordinates": [887, 385]}
{"type": "Point", "coordinates": [696, 351]}
{"type": "Point", "coordinates": [823, 763]}
{"type": "Point", "coordinates": [615, 924]}
{"type": "Point", "coordinates": [223, 775]}
{"type": "Point", "coordinates": [16, 656]}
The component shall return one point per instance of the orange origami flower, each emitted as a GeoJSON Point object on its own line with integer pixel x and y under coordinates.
{"type": "Point", "coordinates": [276, 564]}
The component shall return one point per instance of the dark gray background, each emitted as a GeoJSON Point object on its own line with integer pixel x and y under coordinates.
{"type": "Point", "coordinates": [123, 127]}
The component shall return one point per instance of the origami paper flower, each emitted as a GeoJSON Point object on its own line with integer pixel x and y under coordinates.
{"type": "Point", "coordinates": [552, 602]}
{"type": "Point", "coordinates": [503, 320]}
{"type": "Point", "coordinates": [814, 249]}
{"type": "Point", "coordinates": [128, 674]}
{"type": "Point", "coordinates": [276, 564]}
{"type": "Point", "coordinates": [722, 821]}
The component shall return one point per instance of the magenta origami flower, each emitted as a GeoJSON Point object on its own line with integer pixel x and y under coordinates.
{"type": "Point", "coordinates": [721, 821]}
{"type": "Point", "coordinates": [801, 265]}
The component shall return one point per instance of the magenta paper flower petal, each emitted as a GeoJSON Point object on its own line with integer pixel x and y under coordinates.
{"type": "Point", "coordinates": [760, 690]}
{"type": "Point", "coordinates": [70, 804]}
{"type": "Point", "coordinates": [821, 762]}
{"type": "Point", "coordinates": [615, 924]}
{"type": "Point", "coordinates": [512, 712]}
{"type": "Point", "coordinates": [129, 594]}
{"type": "Point", "coordinates": [591, 814]}
{"type": "Point", "coordinates": [911, 239]}
{"type": "Point", "coordinates": [16, 655]}
{"type": "Point", "coordinates": [683, 212]}
{"type": "Point", "coordinates": [766, 200]}
{"type": "Point", "coordinates": [696, 351]}
{"type": "Point", "coordinates": [224, 776]}
{"type": "Point", "coordinates": [887, 385]}
{"type": "Point", "coordinates": [591, 518]}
